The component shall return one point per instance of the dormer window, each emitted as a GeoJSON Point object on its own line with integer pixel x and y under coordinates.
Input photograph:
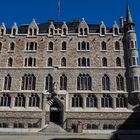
{"type": "Point", "coordinates": [85, 31]}
{"type": "Point", "coordinates": [30, 32]}
{"type": "Point", "coordinates": [103, 31]}
{"type": "Point", "coordinates": [64, 31]}
{"type": "Point", "coordinates": [33, 28]}
{"type": "Point", "coordinates": [51, 31]}
{"type": "Point", "coordinates": [35, 31]}
{"type": "Point", "coordinates": [14, 31]}
{"type": "Point", "coordinates": [83, 28]}
{"type": "Point", "coordinates": [2, 29]}
{"type": "Point", "coordinates": [116, 31]}
{"type": "Point", "coordinates": [2, 32]}
{"type": "Point", "coordinates": [81, 31]}
{"type": "Point", "coordinates": [115, 28]}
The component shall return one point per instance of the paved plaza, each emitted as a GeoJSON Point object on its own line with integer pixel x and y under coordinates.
{"type": "Point", "coordinates": [65, 137]}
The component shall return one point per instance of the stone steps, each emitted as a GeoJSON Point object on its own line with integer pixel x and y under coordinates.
{"type": "Point", "coordinates": [53, 128]}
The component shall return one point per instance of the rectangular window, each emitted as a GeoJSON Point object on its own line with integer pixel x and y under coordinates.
{"type": "Point", "coordinates": [136, 85]}
{"type": "Point", "coordinates": [134, 61]}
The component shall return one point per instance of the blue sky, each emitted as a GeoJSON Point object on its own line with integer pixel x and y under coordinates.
{"type": "Point", "coordinates": [94, 11]}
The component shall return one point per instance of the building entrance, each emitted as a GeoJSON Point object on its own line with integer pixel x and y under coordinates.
{"type": "Point", "coordinates": [56, 113]}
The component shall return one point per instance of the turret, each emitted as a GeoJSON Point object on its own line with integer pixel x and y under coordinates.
{"type": "Point", "coordinates": [131, 51]}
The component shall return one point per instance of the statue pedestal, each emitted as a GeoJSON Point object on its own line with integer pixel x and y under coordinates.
{"type": "Point", "coordinates": [79, 127]}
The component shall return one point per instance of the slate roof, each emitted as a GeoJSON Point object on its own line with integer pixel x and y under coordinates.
{"type": "Point", "coordinates": [72, 27]}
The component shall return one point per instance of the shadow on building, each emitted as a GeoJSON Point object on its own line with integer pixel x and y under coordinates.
{"type": "Point", "coordinates": [130, 129]}
{"type": "Point", "coordinates": [72, 139]}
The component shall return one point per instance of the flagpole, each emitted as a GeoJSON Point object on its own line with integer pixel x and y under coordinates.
{"type": "Point", "coordinates": [58, 8]}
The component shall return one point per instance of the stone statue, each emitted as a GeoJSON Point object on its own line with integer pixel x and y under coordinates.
{"type": "Point", "coordinates": [52, 89]}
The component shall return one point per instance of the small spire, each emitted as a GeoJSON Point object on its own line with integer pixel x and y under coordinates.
{"type": "Point", "coordinates": [128, 14]}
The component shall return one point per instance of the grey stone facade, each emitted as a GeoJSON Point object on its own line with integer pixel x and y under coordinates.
{"type": "Point", "coordinates": [108, 116]}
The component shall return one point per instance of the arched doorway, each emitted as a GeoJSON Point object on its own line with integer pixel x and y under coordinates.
{"type": "Point", "coordinates": [56, 113]}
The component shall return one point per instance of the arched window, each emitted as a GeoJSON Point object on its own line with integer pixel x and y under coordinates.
{"type": "Point", "coordinates": [35, 46]}
{"type": "Point", "coordinates": [135, 83]}
{"type": "Point", "coordinates": [49, 82]}
{"type": "Point", "coordinates": [2, 32]}
{"type": "Point", "coordinates": [103, 45]}
{"type": "Point", "coordinates": [83, 61]}
{"type": "Point", "coordinates": [30, 31]}
{"type": "Point", "coordinates": [91, 101]}
{"type": "Point", "coordinates": [106, 101]}
{"type": "Point", "coordinates": [77, 101]}
{"type": "Point", "coordinates": [4, 125]}
{"type": "Point", "coordinates": [31, 46]}
{"type": "Point", "coordinates": [79, 61]}
{"type": "Point", "coordinates": [84, 82]}
{"type": "Point", "coordinates": [28, 82]}
{"type": "Point", "coordinates": [87, 45]}
{"type": "Point", "coordinates": [63, 62]}
{"type": "Point", "coordinates": [30, 62]}
{"type": "Point", "coordinates": [34, 100]}
{"type": "Point", "coordinates": [108, 126]}
{"type": "Point", "coordinates": [64, 31]}
{"type": "Point", "coordinates": [5, 100]}
{"type": "Point", "coordinates": [18, 125]}
{"type": "Point", "coordinates": [79, 46]}
{"type": "Point", "coordinates": [50, 62]}
{"type": "Point", "coordinates": [20, 100]}
{"type": "Point", "coordinates": [51, 31]}
{"type": "Point", "coordinates": [102, 31]}
{"type": "Point", "coordinates": [63, 82]}
{"type": "Point", "coordinates": [92, 126]}
{"type": "Point", "coordinates": [132, 44]}
{"type": "Point", "coordinates": [7, 82]}
{"type": "Point", "coordinates": [117, 45]}
{"type": "Point", "coordinates": [50, 48]}
{"type": "Point", "coordinates": [104, 62]}
{"type": "Point", "coordinates": [105, 82]}
{"type": "Point", "coordinates": [81, 31]}
{"type": "Point", "coordinates": [120, 82]}
{"type": "Point", "coordinates": [64, 46]}
{"type": "Point", "coordinates": [85, 31]}
{"type": "Point", "coordinates": [10, 62]}
{"type": "Point", "coordinates": [83, 45]}
{"type": "Point", "coordinates": [118, 62]}
{"type": "Point", "coordinates": [116, 31]}
{"type": "Point", "coordinates": [12, 46]}
{"type": "Point", "coordinates": [88, 62]}
{"type": "Point", "coordinates": [35, 31]}
{"type": "Point", "coordinates": [121, 101]}
{"type": "Point", "coordinates": [14, 31]}
{"type": "Point", "coordinates": [0, 46]}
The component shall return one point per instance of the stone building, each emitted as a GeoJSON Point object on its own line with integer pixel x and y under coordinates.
{"type": "Point", "coordinates": [69, 73]}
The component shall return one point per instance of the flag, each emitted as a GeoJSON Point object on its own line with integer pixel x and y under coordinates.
{"type": "Point", "coordinates": [58, 7]}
